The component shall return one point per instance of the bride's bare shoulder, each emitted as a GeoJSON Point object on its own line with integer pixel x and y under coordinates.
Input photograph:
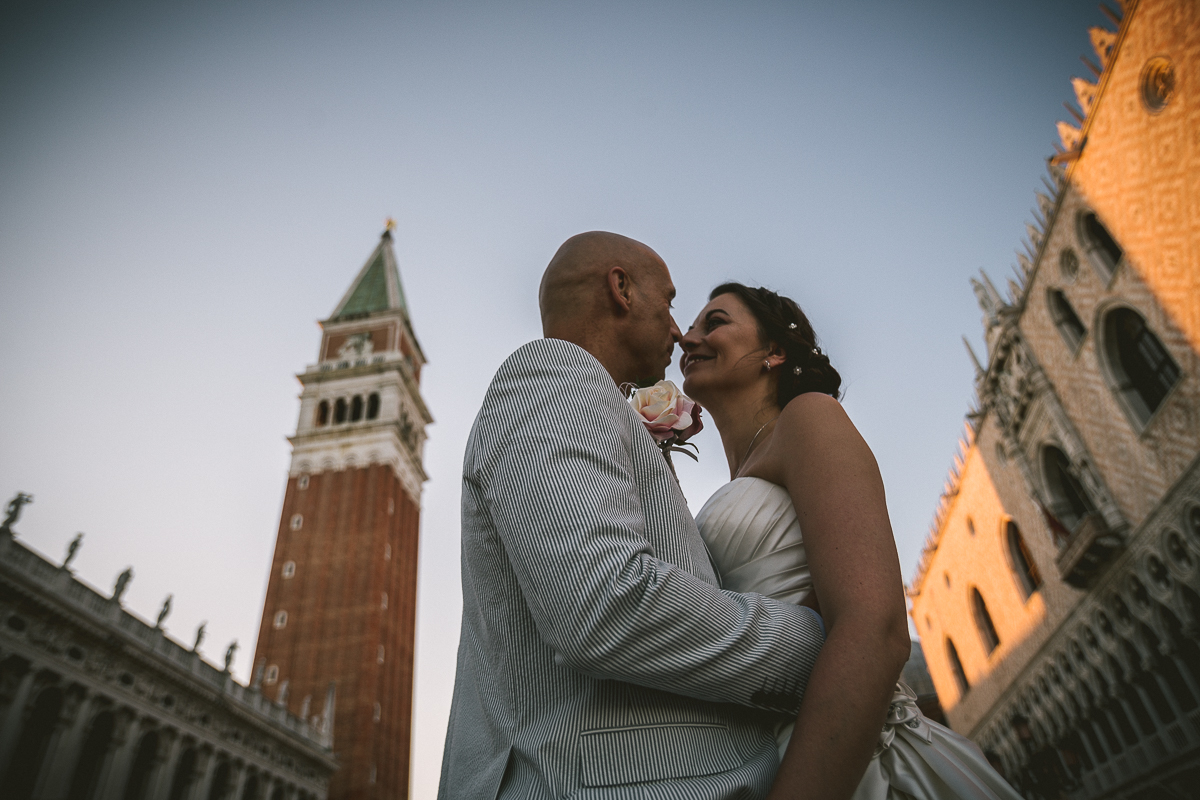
{"type": "Point", "coordinates": [813, 411]}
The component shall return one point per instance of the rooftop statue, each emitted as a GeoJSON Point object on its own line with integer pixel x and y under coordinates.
{"type": "Point", "coordinates": [164, 611]}
{"type": "Point", "coordinates": [14, 511]}
{"type": "Point", "coordinates": [229, 651]}
{"type": "Point", "coordinates": [122, 584]}
{"type": "Point", "coordinates": [199, 636]}
{"type": "Point", "coordinates": [72, 550]}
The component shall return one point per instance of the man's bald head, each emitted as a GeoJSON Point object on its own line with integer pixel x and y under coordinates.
{"type": "Point", "coordinates": [611, 295]}
{"type": "Point", "coordinates": [575, 282]}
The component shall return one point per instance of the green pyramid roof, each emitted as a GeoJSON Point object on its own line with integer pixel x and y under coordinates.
{"type": "Point", "coordinates": [377, 287]}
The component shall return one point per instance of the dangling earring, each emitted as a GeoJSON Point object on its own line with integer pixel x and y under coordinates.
{"type": "Point", "coordinates": [767, 364]}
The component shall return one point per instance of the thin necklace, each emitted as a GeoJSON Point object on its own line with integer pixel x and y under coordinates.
{"type": "Point", "coordinates": [751, 447]}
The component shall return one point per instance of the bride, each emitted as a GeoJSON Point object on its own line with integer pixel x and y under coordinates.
{"type": "Point", "coordinates": [797, 463]}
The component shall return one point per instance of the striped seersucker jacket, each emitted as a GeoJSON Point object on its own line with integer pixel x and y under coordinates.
{"type": "Point", "coordinates": [599, 658]}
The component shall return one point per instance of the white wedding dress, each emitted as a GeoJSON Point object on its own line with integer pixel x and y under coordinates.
{"type": "Point", "coordinates": [754, 539]}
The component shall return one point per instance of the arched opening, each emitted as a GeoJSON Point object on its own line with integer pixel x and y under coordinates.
{"type": "Point", "coordinates": [983, 622]}
{"type": "Point", "coordinates": [339, 411]}
{"type": "Point", "coordinates": [1022, 562]}
{"type": "Point", "coordinates": [323, 413]}
{"type": "Point", "coordinates": [250, 788]}
{"type": "Point", "coordinates": [1102, 249]}
{"type": "Point", "coordinates": [185, 772]}
{"type": "Point", "coordinates": [1070, 327]}
{"type": "Point", "coordinates": [91, 757]}
{"type": "Point", "coordinates": [956, 667]}
{"type": "Point", "coordinates": [356, 408]}
{"type": "Point", "coordinates": [143, 764]}
{"type": "Point", "coordinates": [373, 405]}
{"type": "Point", "coordinates": [1067, 495]}
{"type": "Point", "coordinates": [22, 774]}
{"type": "Point", "coordinates": [1142, 369]}
{"type": "Point", "coordinates": [220, 782]}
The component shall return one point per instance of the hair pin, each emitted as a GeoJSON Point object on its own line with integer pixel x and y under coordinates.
{"type": "Point", "coordinates": [791, 326]}
{"type": "Point", "coordinates": [797, 370]}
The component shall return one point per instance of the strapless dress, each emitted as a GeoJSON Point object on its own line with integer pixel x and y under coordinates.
{"type": "Point", "coordinates": [754, 539]}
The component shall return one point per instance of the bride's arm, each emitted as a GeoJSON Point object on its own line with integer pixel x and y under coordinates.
{"type": "Point", "coordinates": [834, 482]}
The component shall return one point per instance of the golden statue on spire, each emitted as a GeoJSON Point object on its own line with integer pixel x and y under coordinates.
{"type": "Point", "coordinates": [389, 224]}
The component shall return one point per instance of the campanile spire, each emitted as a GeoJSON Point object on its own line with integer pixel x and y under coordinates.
{"type": "Point", "coordinates": [341, 600]}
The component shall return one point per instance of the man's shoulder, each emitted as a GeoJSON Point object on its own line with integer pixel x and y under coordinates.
{"type": "Point", "coordinates": [542, 356]}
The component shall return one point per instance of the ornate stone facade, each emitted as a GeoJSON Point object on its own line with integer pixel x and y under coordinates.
{"type": "Point", "coordinates": [96, 704]}
{"type": "Point", "coordinates": [1058, 598]}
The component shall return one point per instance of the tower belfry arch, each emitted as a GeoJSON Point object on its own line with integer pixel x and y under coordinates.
{"type": "Point", "coordinates": [340, 611]}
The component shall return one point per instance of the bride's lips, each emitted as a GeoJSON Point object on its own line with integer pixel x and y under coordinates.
{"type": "Point", "coordinates": [690, 359]}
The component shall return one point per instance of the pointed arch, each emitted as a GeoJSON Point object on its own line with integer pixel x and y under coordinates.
{"type": "Point", "coordinates": [983, 622]}
{"type": "Point", "coordinates": [1024, 569]}
{"type": "Point", "coordinates": [1067, 495]}
{"type": "Point", "coordinates": [956, 667]}
{"type": "Point", "coordinates": [1070, 327]}
{"type": "Point", "coordinates": [1102, 249]}
{"type": "Point", "coordinates": [1141, 370]}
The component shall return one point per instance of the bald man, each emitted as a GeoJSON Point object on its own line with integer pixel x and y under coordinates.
{"type": "Point", "coordinates": [599, 657]}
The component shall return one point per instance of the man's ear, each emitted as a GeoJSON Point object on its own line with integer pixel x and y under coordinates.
{"type": "Point", "coordinates": [620, 289]}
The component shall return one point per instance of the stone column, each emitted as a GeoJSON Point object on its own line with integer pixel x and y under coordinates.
{"type": "Point", "coordinates": [58, 765]}
{"type": "Point", "coordinates": [14, 718]}
{"type": "Point", "coordinates": [126, 735]}
{"type": "Point", "coordinates": [170, 746]}
{"type": "Point", "coordinates": [206, 765]}
{"type": "Point", "coordinates": [237, 775]}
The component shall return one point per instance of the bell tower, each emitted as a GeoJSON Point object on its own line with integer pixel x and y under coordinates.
{"type": "Point", "coordinates": [337, 631]}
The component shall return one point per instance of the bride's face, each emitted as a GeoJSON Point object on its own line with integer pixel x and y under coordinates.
{"type": "Point", "coordinates": [721, 350]}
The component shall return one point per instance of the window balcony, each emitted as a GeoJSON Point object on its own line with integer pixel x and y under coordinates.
{"type": "Point", "coordinates": [1089, 551]}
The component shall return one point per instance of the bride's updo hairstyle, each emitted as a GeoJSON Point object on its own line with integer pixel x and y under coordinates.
{"type": "Point", "coordinates": [781, 321]}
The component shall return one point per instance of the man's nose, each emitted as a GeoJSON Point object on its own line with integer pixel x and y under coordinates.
{"type": "Point", "coordinates": [676, 336]}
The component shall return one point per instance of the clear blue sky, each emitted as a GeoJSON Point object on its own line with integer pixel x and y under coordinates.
{"type": "Point", "coordinates": [188, 187]}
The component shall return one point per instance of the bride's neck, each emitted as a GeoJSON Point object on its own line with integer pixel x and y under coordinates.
{"type": "Point", "coordinates": [738, 418]}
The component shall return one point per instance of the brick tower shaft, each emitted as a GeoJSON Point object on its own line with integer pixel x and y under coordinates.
{"type": "Point", "coordinates": [338, 624]}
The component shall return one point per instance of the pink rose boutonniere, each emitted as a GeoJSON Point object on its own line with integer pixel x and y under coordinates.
{"type": "Point", "coordinates": [670, 416]}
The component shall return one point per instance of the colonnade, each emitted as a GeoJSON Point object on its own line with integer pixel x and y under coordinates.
{"type": "Point", "coordinates": [61, 741]}
{"type": "Point", "coordinates": [1114, 701]}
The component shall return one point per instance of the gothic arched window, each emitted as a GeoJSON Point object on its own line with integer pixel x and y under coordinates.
{"type": "Point", "coordinates": [960, 676]}
{"type": "Point", "coordinates": [339, 410]}
{"type": "Point", "coordinates": [1070, 327]}
{"type": "Point", "coordinates": [373, 405]}
{"type": "Point", "coordinates": [356, 408]}
{"type": "Point", "coordinates": [1022, 563]}
{"type": "Point", "coordinates": [983, 621]}
{"type": "Point", "coordinates": [1102, 249]}
{"type": "Point", "coordinates": [1142, 369]}
{"type": "Point", "coordinates": [323, 413]}
{"type": "Point", "coordinates": [1067, 495]}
